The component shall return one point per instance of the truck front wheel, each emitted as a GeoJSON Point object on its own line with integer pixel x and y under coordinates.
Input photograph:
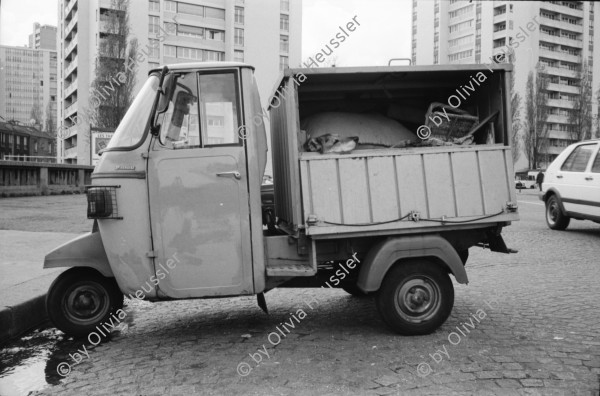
{"type": "Point", "coordinates": [81, 299]}
{"type": "Point", "coordinates": [415, 297]}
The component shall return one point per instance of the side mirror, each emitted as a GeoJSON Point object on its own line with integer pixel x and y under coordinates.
{"type": "Point", "coordinates": [166, 92]}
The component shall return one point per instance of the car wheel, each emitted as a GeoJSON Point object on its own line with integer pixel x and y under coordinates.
{"type": "Point", "coordinates": [416, 297]}
{"type": "Point", "coordinates": [555, 218]}
{"type": "Point", "coordinates": [81, 299]}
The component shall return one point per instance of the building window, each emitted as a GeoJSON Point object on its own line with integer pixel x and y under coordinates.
{"type": "Point", "coordinates": [170, 50]}
{"type": "Point", "coordinates": [154, 25]}
{"type": "Point", "coordinates": [284, 23]}
{"type": "Point", "coordinates": [170, 6]}
{"type": "Point", "coordinates": [283, 63]}
{"type": "Point", "coordinates": [285, 5]}
{"type": "Point", "coordinates": [217, 35]}
{"type": "Point", "coordinates": [154, 48]}
{"type": "Point", "coordinates": [190, 9]}
{"type": "Point", "coordinates": [284, 44]}
{"type": "Point", "coordinates": [190, 31]}
{"type": "Point", "coordinates": [238, 38]}
{"type": "Point", "coordinates": [239, 15]}
{"type": "Point", "coordinates": [189, 53]}
{"type": "Point", "coordinates": [214, 56]}
{"type": "Point", "coordinates": [153, 6]}
{"type": "Point", "coordinates": [215, 13]}
{"type": "Point", "coordinates": [238, 56]}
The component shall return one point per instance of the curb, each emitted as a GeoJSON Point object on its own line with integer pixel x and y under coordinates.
{"type": "Point", "coordinates": [22, 317]}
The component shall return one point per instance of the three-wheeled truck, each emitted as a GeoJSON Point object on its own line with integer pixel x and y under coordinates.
{"type": "Point", "coordinates": [176, 196]}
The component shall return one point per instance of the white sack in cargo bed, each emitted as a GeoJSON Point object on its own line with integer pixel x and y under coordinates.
{"type": "Point", "coordinates": [374, 129]}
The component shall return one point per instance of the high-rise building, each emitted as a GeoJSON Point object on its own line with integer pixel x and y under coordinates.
{"type": "Point", "coordinates": [263, 33]}
{"type": "Point", "coordinates": [559, 35]}
{"type": "Point", "coordinates": [28, 92]}
{"type": "Point", "coordinates": [43, 37]}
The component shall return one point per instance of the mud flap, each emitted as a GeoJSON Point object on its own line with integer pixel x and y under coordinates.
{"type": "Point", "coordinates": [262, 303]}
{"type": "Point", "coordinates": [497, 244]}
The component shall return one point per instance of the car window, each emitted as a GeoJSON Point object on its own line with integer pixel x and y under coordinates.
{"type": "Point", "coordinates": [219, 108]}
{"type": "Point", "coordinates": [577, 161]}
{"type": "Point", "coordinates": [596, 164]}
{"type": "Point", "coordinates": [179, 125]}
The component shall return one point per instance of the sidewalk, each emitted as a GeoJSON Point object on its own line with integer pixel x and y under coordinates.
{"type": "Point", "coordinates": [23, 281]}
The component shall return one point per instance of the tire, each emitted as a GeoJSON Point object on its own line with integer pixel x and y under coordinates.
{"type": "Point", "coordinates": [555, 218]}
{"type": "Point", "coordinates": [431, 294]}
{"type": "Point", "coordinates": [353, 290]}
{"type": "Point", "coordinates": [81, 299]}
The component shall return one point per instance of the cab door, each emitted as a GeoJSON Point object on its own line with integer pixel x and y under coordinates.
{"type": "Point", "coordinates": [198, 190]}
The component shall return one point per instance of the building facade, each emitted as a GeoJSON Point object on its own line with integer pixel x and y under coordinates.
{"type": "Point", "coordinates": [558, 34]}
{"type": "Point", "coordinates": [28, 86]}
{"type": "Point", "coordinates": [263, 33]}
{"type": "Point", "coordinates": [43, 37]}
{"type": "Point", "coordinates": [25, 143]}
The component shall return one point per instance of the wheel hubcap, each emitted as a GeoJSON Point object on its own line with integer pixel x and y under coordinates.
{"type": "Point", "coordinates": [86, 304]}
{"type": "Point", "coordinates": [553, 212]}
{"type": "Point", "coordinates": [418, 299]}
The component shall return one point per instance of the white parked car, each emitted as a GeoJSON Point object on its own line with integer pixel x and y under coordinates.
{"type": "Point", "coordinates": [571, 187]}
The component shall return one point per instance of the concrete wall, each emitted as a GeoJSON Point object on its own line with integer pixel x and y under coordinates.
{"type": "Point", "coordinates": [20, 179]}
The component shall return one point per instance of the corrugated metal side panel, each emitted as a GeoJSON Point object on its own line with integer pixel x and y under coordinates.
{"type": "Point", "coordinates": [284, 146]}
{"type": "Point", "coordinates": [459, 184]}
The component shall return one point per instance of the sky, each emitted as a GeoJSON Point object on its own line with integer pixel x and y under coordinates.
{"type": "Point", "coordinates": [384, 30]}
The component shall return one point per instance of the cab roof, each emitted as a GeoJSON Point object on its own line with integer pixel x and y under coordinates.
{"type": "Point", "coordinates": [202, 65]}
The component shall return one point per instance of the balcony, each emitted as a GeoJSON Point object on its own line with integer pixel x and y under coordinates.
{"type": "Point", "coordinates": [69, 111]}
{"type": "Point", "coordinates": [561, 40]}
{"type": "Point", "coordinates": [544, 5]}
{"type": "Point", "coordinates": [71, 25]}
{"type": "Point", "coordinates": [72, 66]}
{"type": "Point", "coordinates": [563, 103]}
{"type": "Point", "coordinates": [500, 34]}
{"type": "Point", "coordinates": [70, 47]}
{"type": "Point", "coordinates": [70, 89]}
{"type": "Point", "coordinates": [557, 119]}
{"type": "Point", "coordinates": [556, 134]}
{"type": "Point", "coordinates": [563, 56]}
{"type": "Point", "coordinates": [559, 71]}
{"type": "Point", "coordinates": [71, 152]}
{"type": "Point", "coordinates": [500, 18]}
{"type": "Point", "coordinates": [555, 23]}
{"type": "Point", "coordinates": [564, 88]}
{"type": "Point", "coordinates": [70, 6]}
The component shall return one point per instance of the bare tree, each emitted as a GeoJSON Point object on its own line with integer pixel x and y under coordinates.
{"type": "Point", "coordinates": [112, 89]}
{"type": "Point", "coordinates": [50, 126]}
{"type": "Point", "coordinates": [516, 140]}
{"type": "Point", "coordinates": [35, 114]}
{"type": "Point", "coordinates": [536, 114]}
{"type": "Point", "coordinates": [580, 117]}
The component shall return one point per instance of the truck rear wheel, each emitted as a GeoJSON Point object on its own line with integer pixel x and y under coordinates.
{"type": "Point", "coordinates": [81, 299]}
{"type": "Point", "coordinates": [415, 298]}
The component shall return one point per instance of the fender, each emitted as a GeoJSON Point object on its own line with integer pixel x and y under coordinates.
{"type": "Point", "coordinates": [552, 191]}
{"type": "Point", "coordinates": [84, 251]}
{"type": "Point", "coordinates": [383, 255]}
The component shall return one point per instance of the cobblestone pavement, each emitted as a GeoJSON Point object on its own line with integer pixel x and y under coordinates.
{"type": "Point", "coordinates": [527, 324]}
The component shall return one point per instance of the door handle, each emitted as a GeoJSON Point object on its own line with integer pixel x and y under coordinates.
{"type": "Point", "coordinates": [559, 176]}
{"type": "Point", "coordinates": [234, 174]}
{"type": "Point", "coordinates": [589, 178]}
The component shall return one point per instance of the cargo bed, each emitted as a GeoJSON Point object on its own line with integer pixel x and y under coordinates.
{"type": "Point", "coordinates": [391, 190]}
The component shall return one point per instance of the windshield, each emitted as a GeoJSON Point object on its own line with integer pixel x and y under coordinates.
{"type": "Point", "coordinates": [132, 127]}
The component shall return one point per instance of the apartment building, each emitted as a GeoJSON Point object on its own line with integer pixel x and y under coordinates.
{"type": "Point", "coordinates": [558, 34]}
{"type": "Point", "coordinates": [43, 37]}
{"type": "Point", "coordinates": [28, 86]}
{"type": "Point", "coordinates": [263, 33]}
